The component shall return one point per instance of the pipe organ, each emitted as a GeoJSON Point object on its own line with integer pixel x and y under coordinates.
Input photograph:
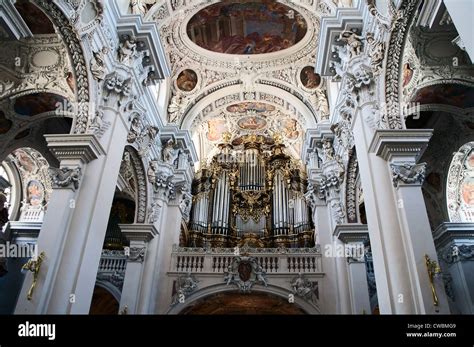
{"type": "Point", "coordinates": [250, 193]}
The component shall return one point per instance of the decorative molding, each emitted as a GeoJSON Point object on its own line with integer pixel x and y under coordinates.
{"type": "Point", "coordinates": [218, 250]}
{"type": "Point", "coordinates": [137, 254]}
{"type": "Point", "coordinates": [186, 285]}
{"type": "Point", "coordinates": [459, 171]}
{"type": "Point", "coordinates": [455, 253]}
{"type": "Point", "coordinates": [66, 177]}
{"type": "Point", "coordinates": [304, 288]}
{"type": "Point", "coordinates": [449, 233]}
{"type": "Point", "coordinates": [407, 173]}
{"type": "Point", "coordinates": [351, 188]}
{"type": "Point", "coordinates": [399, 33]}
{"type": "Point", "coordinates": [35, 75]}
{"type": "Point", "coordinates": [141, 186]}
{"type": "Point", "coordinates": [160, 175]}
{"type": "Point", "coordinates": [117, 88]}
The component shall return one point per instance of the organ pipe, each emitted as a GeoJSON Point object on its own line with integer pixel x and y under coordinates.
{"type": "Point", "coordinates": [235, 210]}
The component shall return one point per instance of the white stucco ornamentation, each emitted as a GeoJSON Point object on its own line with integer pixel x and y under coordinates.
{"type": "Point", "coordinates": [460, 185]}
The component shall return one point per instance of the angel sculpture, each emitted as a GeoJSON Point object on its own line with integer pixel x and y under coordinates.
{"type": "Point", "coordinates": [353, 42]}
{"type": "Point", "coordinates": [98, 67]}
{"type": "Point", "coordinates": [127, 50]}
{"type": "Point", "coordinates": [170, 154]}
{"type": "Point", "coordinates": [140, 6]}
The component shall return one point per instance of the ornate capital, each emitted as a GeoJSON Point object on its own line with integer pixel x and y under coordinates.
{"type": "Point", "coordinates": [136, 254]}
{"type": "Point", "coordinates": [408, 173]}
{"type": "Point", "coordinates": [66, 177]}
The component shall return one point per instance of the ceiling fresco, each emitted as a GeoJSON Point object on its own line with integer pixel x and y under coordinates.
{"type": "Point", "coordinates": [446, 94]}
{"type": "Point", "coordinates": [246, 28]}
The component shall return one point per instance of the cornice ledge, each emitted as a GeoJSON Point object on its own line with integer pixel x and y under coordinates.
{"type": "Point", "coordinates": [85, 147]}
{"type": "Point", "coordinates": [407, 143]}
{"type": "Point", "coordinates": [351, 232]}
{"type": "Point", "coordinates": [139, 232]}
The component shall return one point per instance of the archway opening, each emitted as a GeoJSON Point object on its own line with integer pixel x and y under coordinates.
{"type": "Point", "coordinates": [234, 303]}
{"type": "Point", "coordinates": [103, 302]}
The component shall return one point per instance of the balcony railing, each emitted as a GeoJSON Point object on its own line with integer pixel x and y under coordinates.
{"type": "Point", "coordinates": [272, 260]}
{"type": "Point", "coordinates": [112, 261]}
{"type": "Point", "coordinates": [112, 267]}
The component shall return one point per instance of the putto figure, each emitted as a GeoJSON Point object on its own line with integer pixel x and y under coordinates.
{"type": "Point", "coordinates": [353, 42]}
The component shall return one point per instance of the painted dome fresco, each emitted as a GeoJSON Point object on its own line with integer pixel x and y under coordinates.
{"type": "Point", "coordinates": [246, 27]}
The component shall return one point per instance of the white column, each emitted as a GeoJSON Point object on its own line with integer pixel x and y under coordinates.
{"type": "Point", "coordinates": [170, 236]}
{"type": "Point", "coordinates": [323, 237]}
{"type": "Point", "coordinates": [355, 235]}
{"type": "Point", "coordinates": [139, 235]}
{"type": "Point", "coordinates": [400, 149]}
{"type": "Point", "coordinates": [343, 291]}
{"type": "Point", "coordinates": [64, 238]}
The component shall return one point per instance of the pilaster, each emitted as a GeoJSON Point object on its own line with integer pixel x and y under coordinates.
{"type": "Point", "coordinates": [139, 236]}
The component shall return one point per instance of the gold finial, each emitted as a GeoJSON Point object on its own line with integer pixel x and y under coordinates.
{"type": "Point", "coordinates": [34, 265]}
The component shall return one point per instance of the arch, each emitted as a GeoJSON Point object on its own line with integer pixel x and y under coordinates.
{"type": "Point", "coordinates": [106, 299]}
{"type": "Point", "coordinates": [448, 97]}
{"type": "Point", "coordinates": [78, 62]}
{"type": "Point", "coordinates": [394, 52]}
{"type": "Point", "coordinates": [233, 94]}
{"type": "Point", "coordinates": [207, 292]}
{"type": "Point", "coordinates": [141, 196]}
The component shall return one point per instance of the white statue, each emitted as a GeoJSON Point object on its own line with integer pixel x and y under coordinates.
{"type": "Point", "coordinates": [140, 6]}
{"type": "Point", "coordinates": [174, 107]}
{"type": "Point", "coordinates": [151, 172]}
{"type": "Point", "coordinates": [248, 75]}
{"type": "Point", "coordinates": [127, 50]}
{"type": "Point", "coordinates": [322, 104]}
{"type": "Point", "coordinates": [170, 154]}
{"type": "Point", "coordinates": [98, 64]}
{"type": "Point", "coordinates": [353, 42]}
